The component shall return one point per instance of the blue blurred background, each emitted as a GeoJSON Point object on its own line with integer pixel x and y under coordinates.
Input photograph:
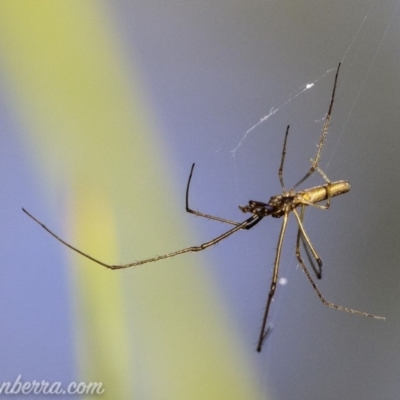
{"type": "Point", "coordinates": [104, 106]}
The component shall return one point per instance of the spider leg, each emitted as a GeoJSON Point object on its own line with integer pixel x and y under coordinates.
{"type": "Point", "coordinates": [253, 223]}
{"type": "Point", "coordinates": [323, 135]}
{"type": "Point", "coordinates": [200, 214]}
{"type": "Point", "coordinates": [280, 171]}
{"type": "Point", "coordinates": [264, 329]}
{"type": "Point", "coordinates": [322, 298]}
{"type": "Point", "coordinates": [301, 234]}
{"type": "Point", "coordinates": [253, 220]}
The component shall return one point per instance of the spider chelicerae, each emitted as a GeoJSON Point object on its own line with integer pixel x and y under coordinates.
{"type": "Point", "coordinates": [279, 206]}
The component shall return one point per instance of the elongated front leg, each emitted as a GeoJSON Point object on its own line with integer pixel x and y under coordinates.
{"type": "Point", "coordinates": [264, 330]}
{"type": "Point", "coordinates": [249, 222]}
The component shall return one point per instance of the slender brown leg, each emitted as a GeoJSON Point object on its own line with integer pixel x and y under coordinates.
{"type": "Point", "coordinates": [318, 271]}
{"type": "Point", "coordinates": [322, 298]}
{"type": "Point", "coordinates": [323, 135]}
{"type": "Point", "coordinates": [200, 214]}
{"type": "Point", "coordinates": [264, 330]}
{"type": "Point", "coordinates": [305, 237]}
{"type": "Point", "coordinates": [248, 223]}
{"type": "Point", "coordinates": [280, 172]}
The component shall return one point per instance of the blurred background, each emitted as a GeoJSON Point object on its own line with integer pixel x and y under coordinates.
{"type": "Point", "coordinates": [104, 106]}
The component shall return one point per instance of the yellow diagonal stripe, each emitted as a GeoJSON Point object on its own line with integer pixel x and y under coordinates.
{"type": "Point", "coordinates": [155, 332]}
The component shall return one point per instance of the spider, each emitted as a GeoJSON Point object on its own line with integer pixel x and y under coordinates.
{"type": "Point", "coordinates": [279, 206]}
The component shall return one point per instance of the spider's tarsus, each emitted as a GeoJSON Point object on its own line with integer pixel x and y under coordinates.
{"type": "Point", "coordinates": [266, 334]}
